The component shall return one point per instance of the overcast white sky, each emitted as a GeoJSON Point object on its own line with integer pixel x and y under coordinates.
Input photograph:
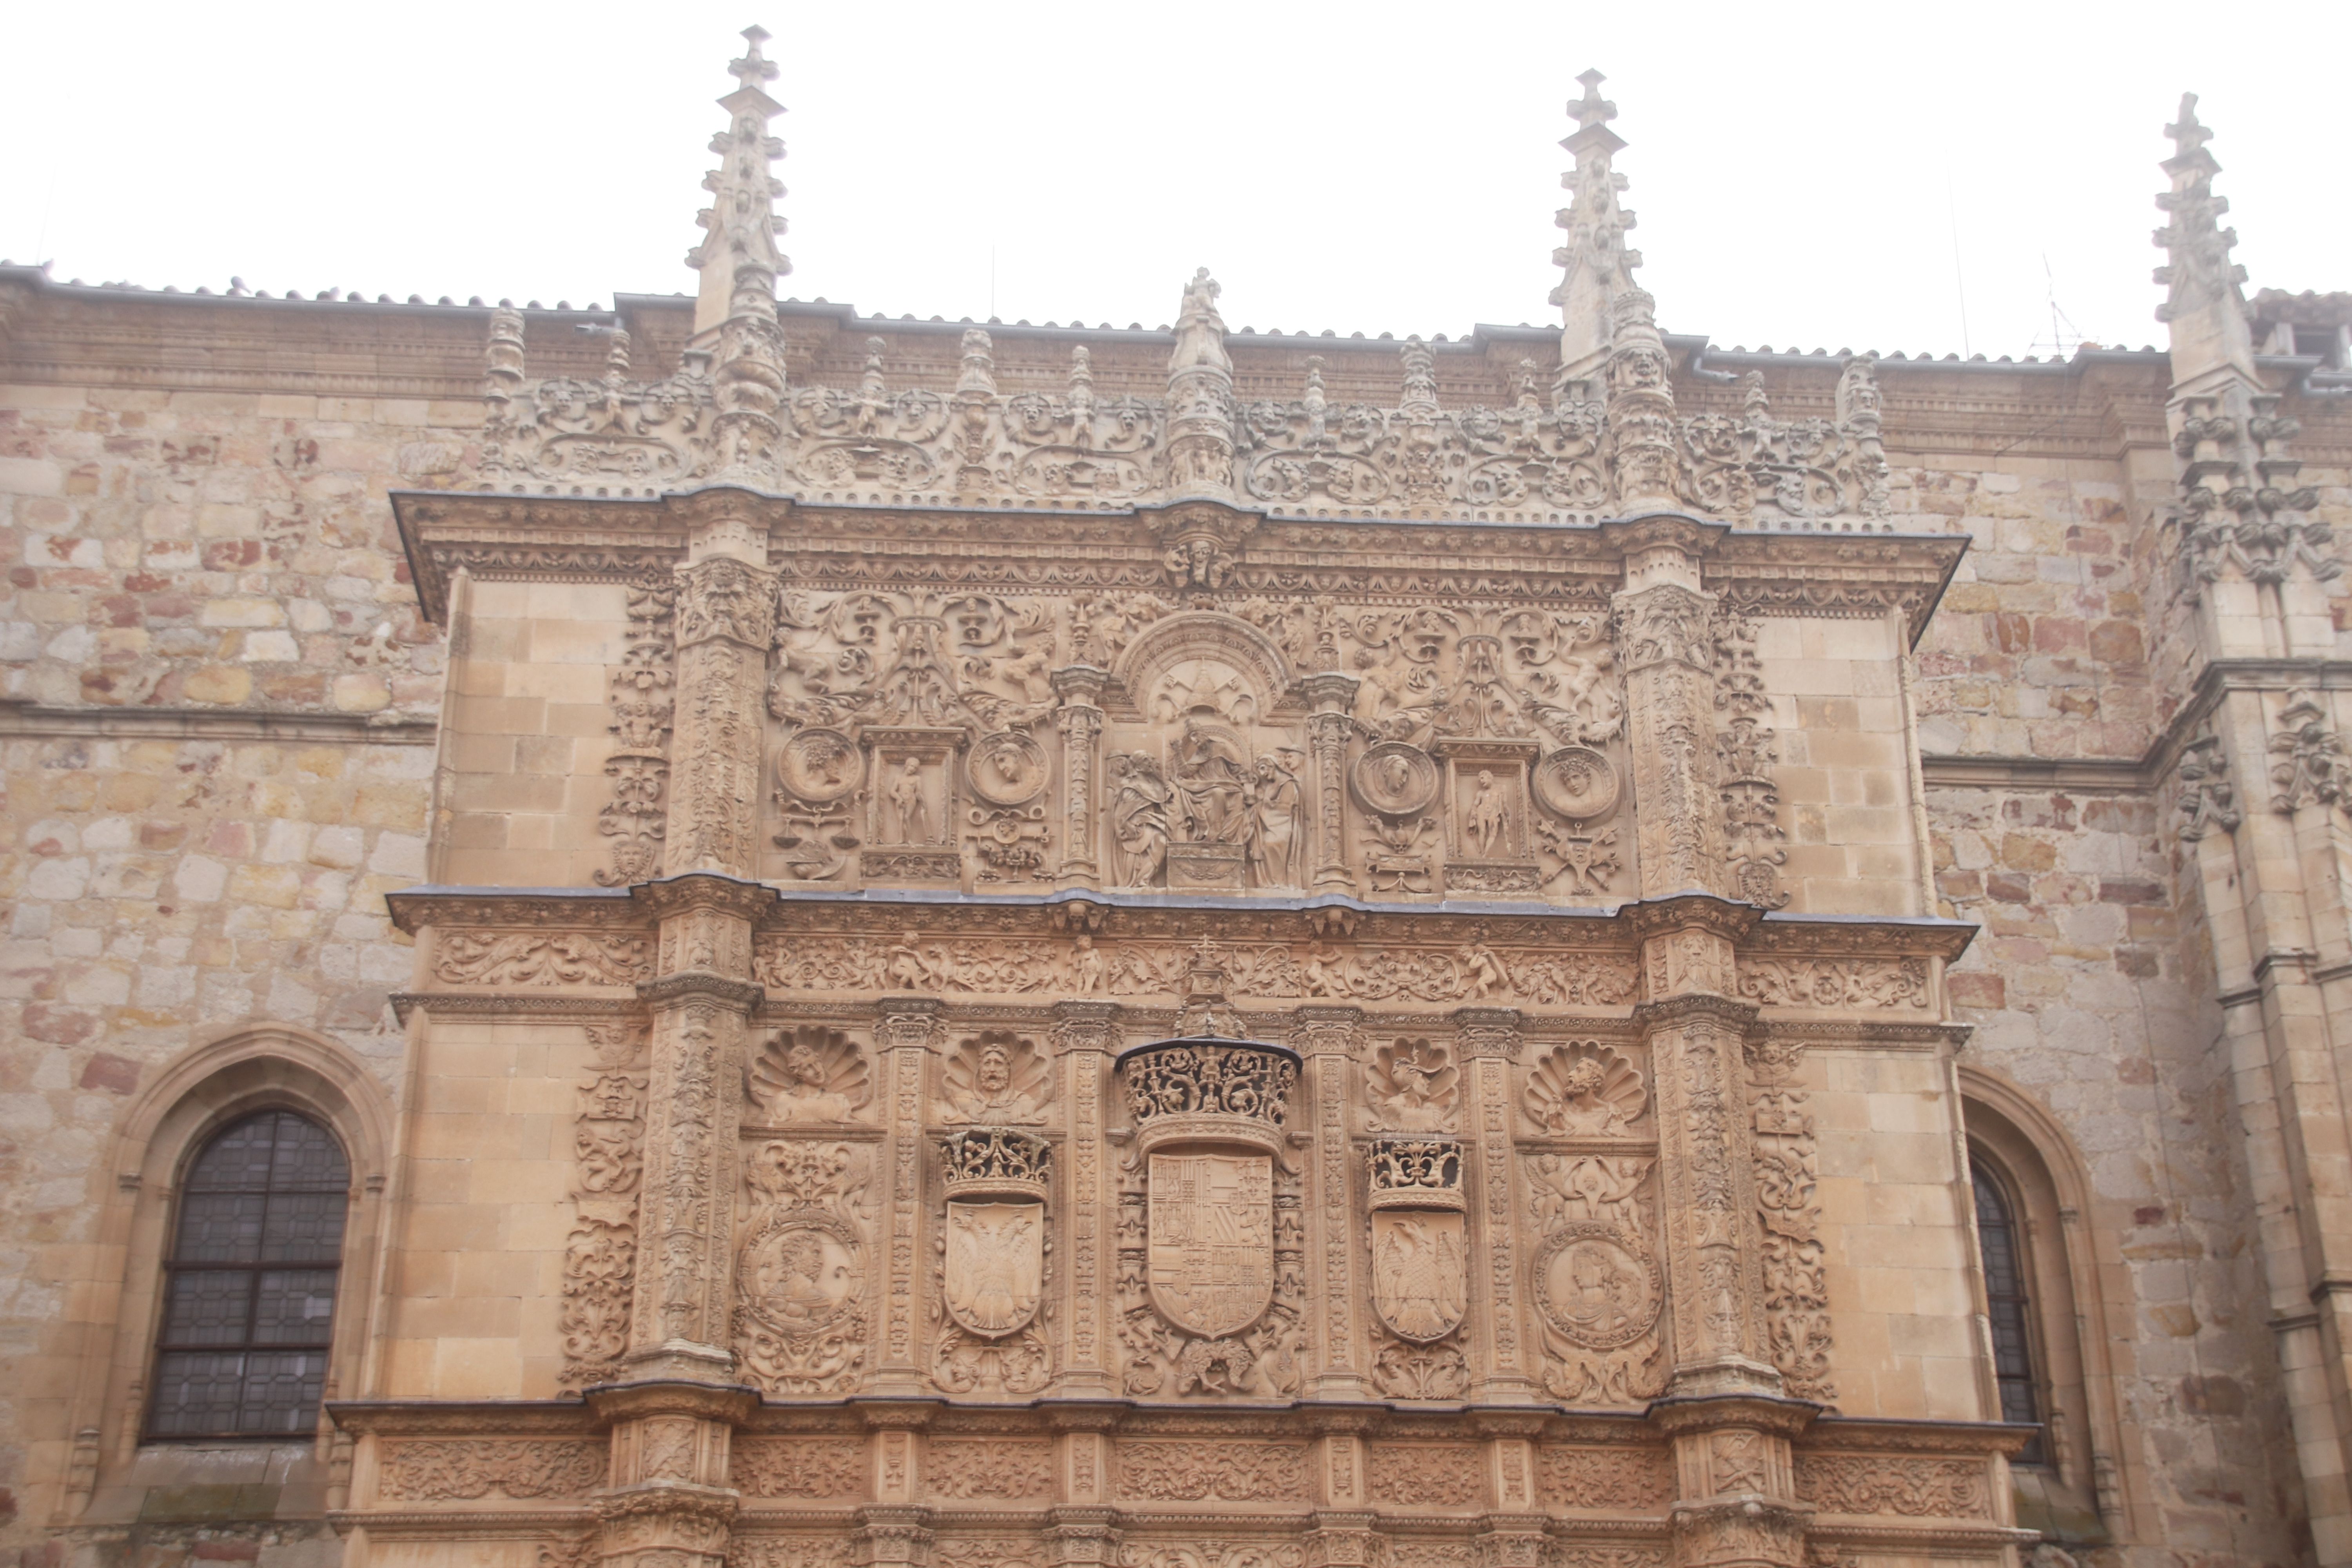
{"type": "Point", "coordinates": [1797, 170]}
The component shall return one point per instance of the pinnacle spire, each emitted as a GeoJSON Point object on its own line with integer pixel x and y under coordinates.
{"type": "Point", "coordinates": [738, 246]}
{"type": "Point", "coordinates": [735, 309]}
{"type": "Point", "coordinates": [2204, 306]}
{"type": "Point", "coordinates": [1596, 266]}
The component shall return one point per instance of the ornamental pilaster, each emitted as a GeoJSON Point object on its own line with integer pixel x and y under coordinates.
{"type": "Point", "coordinates": [903, 1031]}
{"type": "Point", "coordinates": [1695, 1030]}
{"type": "Point", "coordinates": [1085, 1034]}
{"type": "Point", "coordinates": [701, 999]}
{"type": "Point", "coordinates": [1736, 1502]}
{"type": "Point", "coordinates": [1489, 1040]}
{"type": "Point", "coordinates": [1080, 719]}
{"type": "Point", "coordinates": [1666, 648]}
{"type": "Point", "coordinates": [1332, 698]}
{"type": "Point", "coordinates": [725, 621]}
{"type": "Point", "coordinates": [1326, 1039]}
{"type": "Point", "coordinates": [669, 1503]}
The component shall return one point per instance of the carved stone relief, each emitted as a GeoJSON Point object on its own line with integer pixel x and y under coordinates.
{"type": "Point", "coordinates": [993, 1255]}
{"type": "Point", "coordinates": [1412, 1086]}
{"type": "Point", "coordinates": [600, 1254]}
{"type": "Point", "coordinates": [1788, 1208]}
{"type": "Point", "coordinates": [810, 1074]}
{"type": "Point", "coordinates": [1598, 1287]}
{"type": "Point", "coordinates": [800, 1316]}
{"type": "Point", "coordinates": [1586, 1089]}
{"type": "Point", "coordinates": [819, 1468]}
{"type": "Point", "coordinates": [996, 1078]}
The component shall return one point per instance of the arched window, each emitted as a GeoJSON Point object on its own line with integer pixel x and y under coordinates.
{"type": "Point", "coordinates": [249, 1287]}
{"type": "Point", "coordinates": [2005, 1300]}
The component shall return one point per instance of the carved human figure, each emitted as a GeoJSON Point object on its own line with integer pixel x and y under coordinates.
{"type": "Point", "coordinates": [1200, 330]}
{"type": "Point", "coordinates": [906, 967]}
{"type": "Point", "coordinates": [1490, 817]}
{"type": "Point", "coordinates": [1275, 819]}
{"type": "Point", "coordinates": [910, 808]}
{"type": "Point", "coordinates": [1412, 1086]}
{"type": "Point", "coordinates": [1485, 968]}
{"type": "Point", "coordinates": [1086, 967]}
{"type": "Point", "coordinates": [810, 1074]}
{"type": "Point", "coordinates": [1139, 819]}
{"type": "Point", "coordinates": [1211, 788]}
{"type": "Point", "coordinates": [997, 1080]}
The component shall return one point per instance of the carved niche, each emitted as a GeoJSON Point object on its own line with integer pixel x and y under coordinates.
{"type": "Point", "coordinates": [809, 1073]}
{"type": "Point", "coordinates": [800, 1274]}
{"type": "Point", "coordinates": [1585, 1089]}
{"type": "Point", "coordinates": [1412, 1086]}
{"type": "Point", "coordinates": [1211, 1242]}
{"type": "Point", "coordinates": [992, 1261]}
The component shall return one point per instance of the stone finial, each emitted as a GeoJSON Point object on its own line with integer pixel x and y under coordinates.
{"type": "Point", "coordinates": [1200, 397]}
{"type": "Point", "coordinates": [735, 309]}
{"type": "Point", "coordinates": [2204, 306]}
{"type": "Point", "coordinates": [1595, 265]}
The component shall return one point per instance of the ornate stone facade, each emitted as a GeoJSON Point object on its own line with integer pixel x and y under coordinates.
{"type": "Point", "coordinates": [1041, 947]}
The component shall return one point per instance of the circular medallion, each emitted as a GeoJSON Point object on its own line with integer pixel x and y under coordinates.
{"type": "Point", "coordinates": [800, 1271]}
{"type": "Point", "coordinates": [1394, 779]}
{"type": "Point", "coordinates": [819, 766]}
{"type": "Point", "coordinates": [1576, 783]}
{"type": "Point", "coordinates": [1007, 768]}
{"type": "Point", "coordinates": [1596, 1289]}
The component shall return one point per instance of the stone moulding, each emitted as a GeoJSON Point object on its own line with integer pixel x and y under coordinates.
{"type": "Point", "coordinates": [598, 539]}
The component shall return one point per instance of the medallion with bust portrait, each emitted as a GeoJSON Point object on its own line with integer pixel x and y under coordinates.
{"type": "Point", "coordinates": [1394, 779]}
{"type": "Point", "coordinates": [1007, 768]}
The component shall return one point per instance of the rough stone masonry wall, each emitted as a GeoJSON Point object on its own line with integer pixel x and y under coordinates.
{"type": "Point", "coordinates": [2092, 985]}
{"type": "Point", "coordinates": [216, 551]}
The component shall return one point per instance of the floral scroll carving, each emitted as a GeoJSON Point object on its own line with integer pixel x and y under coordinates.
{"type": "Point", "coordinates": [1222, 1471]}
{"type": "Point", "coordinates": [464, 1470]}
{"type": "Point", "coordinates": [600, 1253]}
{"type": "Point", "coordinates": [1885, 1484]}
{"type": "Point", "coordinates": [1424, 1474]}
{"type": "Point", "coordinates": [1754, 842]}
{"type": "Point", "coordinates": [1789, 1210]}
{"type": "Point", "coordinates": [1604, 1478]}
{"type": "Point", "coordinates": [542, 958]}
{"type": "Point", "coordinates": [799, 1314]}
{"type": "Point", "coordinates": [643, 701]}
{"type": "Point", "coordinates": [1835, 982]}
{"type": "Point", "coordinates": [799, 1468]}
{"type": "Point", "coordinates": [992, 1468]}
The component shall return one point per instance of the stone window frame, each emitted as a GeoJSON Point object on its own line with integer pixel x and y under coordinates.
{"type": "Point", "coordinates": [2061, 1232]}
{"type": "Point", "coordinates": [248, 1067]}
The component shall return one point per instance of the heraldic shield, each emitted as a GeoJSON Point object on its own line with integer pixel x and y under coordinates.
{"type": "Point", "coordinates": [995, 1264]}
{"type": "Point", "coordinates": [1420, 1272]}
{"type": "Point", "coordinates": [1211, 1240]}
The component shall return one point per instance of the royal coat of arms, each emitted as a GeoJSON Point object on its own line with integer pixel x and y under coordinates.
{"type": "Point", "coordinates": [1211, 1240]}
{"type": "Point", "coordinates": [995, 1264]}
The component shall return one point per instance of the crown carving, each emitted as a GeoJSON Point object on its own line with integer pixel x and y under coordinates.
{"type": "Point", "coordinates": [996, 1162]}
{"type": "Point", "coordinates": [1416, 1174]}
{"type": "Point", "coordinates": [1209, 1092]}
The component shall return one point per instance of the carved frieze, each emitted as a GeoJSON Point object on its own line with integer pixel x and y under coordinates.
{"type": "Point", "coordinates": [542, 958]}
{"type": "Point", "coordinates": [469, 1469]}
{"type": "Point", "coordinates": [994, 1468]}
{"type": "Point", "coordinates": [1159, 1471]}
{"type": "Point", "coordinates": [1895, 1484]}
{"type": "Point", "coordinates": [1425, 1475]}
{"type": "Point", "coordinates": [817, 1469]}
{"type": "Point", "coordinates": [1604, 1478]}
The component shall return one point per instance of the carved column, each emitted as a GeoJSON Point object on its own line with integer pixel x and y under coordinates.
{"type": "Point", "coordinates": [1086, 1034]}
{"type": "Point", "coordinates": [903, 1031]}
{"type": "Point", "coordinates": [894, 1530]}
{"type": "Point", "coordinates": [1666, 648]}
{"type": "Point", "coordinates": [1079, 686]}
{"type": "Point", "coordinates": [1327, 1039]}
{"type": "Point", "coordinates": [673, 1412]}
{"type": "Point", "coordinates": [725, 619]}
{"type": "Point", "coordinates": [1329, 729]}
{"type": "Point", "coordinates": [1488, 1039]}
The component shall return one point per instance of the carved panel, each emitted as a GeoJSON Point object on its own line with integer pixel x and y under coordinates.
{"type": "Point", "coordinates": [994, 1469]}
{"type": "Point", "coordinates": [1212, 1471]}
{"type": "Point", "coordinates": [819, 1468]}
{"type": "Point", "coordinates": [1604, 1478]}
{"type": "Point", "coordinates": [997, 1079]}
{"type": "Point", "coordinates": [542, 958]}
{"type": "Point", "coordinates": [1876, 1483]}
{"type": "Point", "coordinates": [1425, 1475]}
{"type": "Point", "coordinates": [812, 1074]}
{"type": "Point", "coordinates": [600, 1253]}
{"type": "Point", "coordinates": [465, 1470]}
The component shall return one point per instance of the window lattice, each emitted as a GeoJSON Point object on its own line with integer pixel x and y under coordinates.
{"type": "Point", "coordinates": [2013, 1342]}
{"type": "Point", "coordinates": [250, 1287]}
